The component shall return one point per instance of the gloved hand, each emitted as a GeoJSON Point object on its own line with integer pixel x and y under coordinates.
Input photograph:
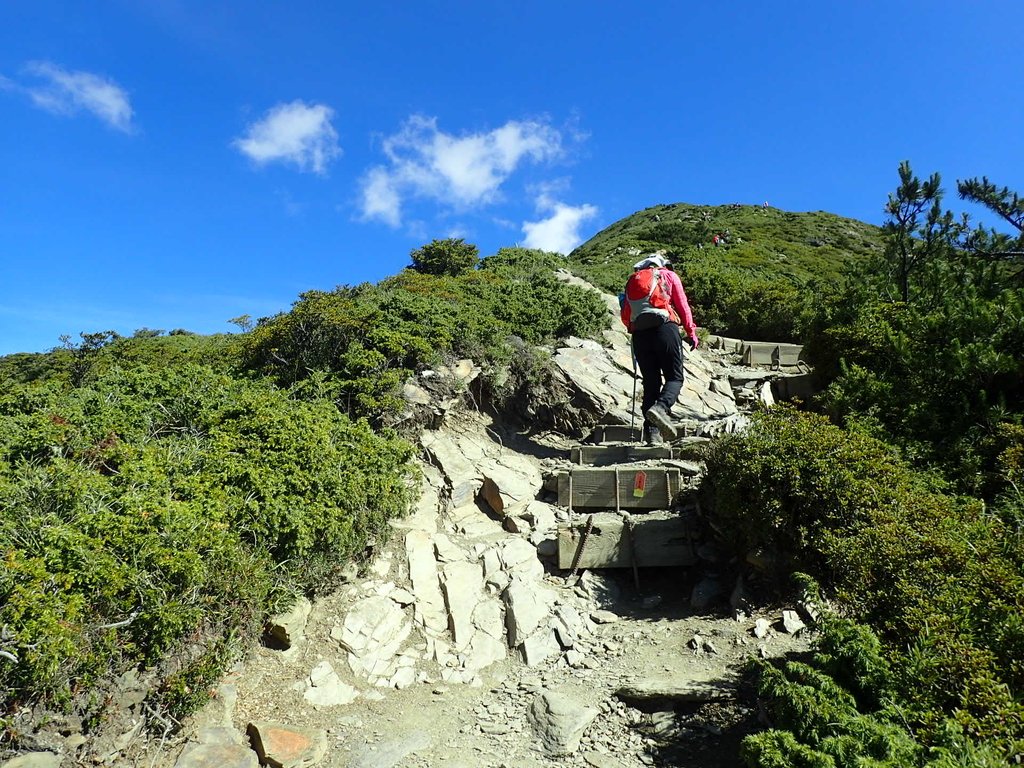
{"type": "Point", "coordinates": [694, 341]}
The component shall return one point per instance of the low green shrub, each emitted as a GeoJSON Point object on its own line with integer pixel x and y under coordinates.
{"type": "Point", "coordinates": [816, 723]}
{"type": "Point", "coordinates": [155, 509]}
{"type": "Point", "coordinates": [367, 339]}
{"type": "Point", "coordinates": [932, 574]}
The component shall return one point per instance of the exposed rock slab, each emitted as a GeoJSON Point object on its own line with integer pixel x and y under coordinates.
{"type": "Point", "coordinates": [372, 632]}
{"type": "Point", "coordinates": [559, 722]}
{"type": "Point", "coordinates": [474, 617]}
{"type": "Point", "coordinates": [681, 688]}
{"type": "Point", "coordinates": [429, 609]}
{"type": "Point", "coordinates": [391, 752]}
{"type": "Point", "coordinates": [325, 689]}
{"type": "Point", "coordinates": [34, 760]}
{"type": "Point", "coordinates": [527, 608]}
{"type": "Point", "coordinates": [424, 513]}
{"type": "Point", "coordinates": [224, 754]}
{"type": "Point", "coordinates": [287, 746]}
{"type": "Point", "coordinates": [458, 460]}
{"type": "Point", "coordinates": [509, 484]}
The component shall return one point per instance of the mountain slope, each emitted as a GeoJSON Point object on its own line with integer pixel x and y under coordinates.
{"type": "Point", "coordinates": [766, 241]}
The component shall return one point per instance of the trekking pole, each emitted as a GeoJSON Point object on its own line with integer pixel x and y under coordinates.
{"type": "Point", "coordinates": [632, 408]}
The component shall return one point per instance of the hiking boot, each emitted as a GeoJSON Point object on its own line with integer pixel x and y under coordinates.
{"type": "Point", "coordinates": [652, 436]}
{"type": "Point", "coordinates": [659, 417]}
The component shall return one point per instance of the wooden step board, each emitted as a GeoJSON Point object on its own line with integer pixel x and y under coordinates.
{"type": "Point", "coordinates": [622, 433]}
{"type": "Point", "coordinates": [607, 455]}
{"type": "Point", "coordinates": [658, 539]}
{"type": "Point", "coordinates": [617, 487]}
{"type": "Point", "coordinates": [616, 433]}
{"type": "Point", "coordinates": [770, 353]}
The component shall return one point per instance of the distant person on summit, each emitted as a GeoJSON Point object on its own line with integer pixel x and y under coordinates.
{"type": "Point", "coordinates": [653, 306]}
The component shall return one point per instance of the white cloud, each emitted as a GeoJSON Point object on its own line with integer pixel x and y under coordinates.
{"type": "Point", "coordinates": [69, 92]}
{"type": "Point", "coordinates": [457, 171]}
{"type": "Point", "coordinates": [381, 199]}
{"type": "Point", "coordinates": [294, 133]}
{"type": "Point", "coordinates": [559, 232]}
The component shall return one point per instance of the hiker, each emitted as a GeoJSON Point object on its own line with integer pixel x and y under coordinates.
{"type": "Point", "coordinates": [654, 305]}
{"type": "Point", "coordinates": [715, 240]}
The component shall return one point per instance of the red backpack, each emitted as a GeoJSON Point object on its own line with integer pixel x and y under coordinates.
{"type": "Point", "coordinates": [647, 303]}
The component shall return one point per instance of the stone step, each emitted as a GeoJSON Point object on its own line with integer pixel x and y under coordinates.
{"type": "Point", "coordinates": [629, 487]}
{"type": "Point", "coordinates": [658, 539]}
{"type": "Point", "coordinates": [803, 386]}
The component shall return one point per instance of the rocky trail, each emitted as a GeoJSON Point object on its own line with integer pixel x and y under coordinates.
{"type": "Point", "coordinates": [464, 644]}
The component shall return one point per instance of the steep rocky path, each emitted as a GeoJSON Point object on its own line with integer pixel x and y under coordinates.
{"type": "Point", "coordinates": [463, 644]}
{"type": "Point", "coordinates": [422, 673]}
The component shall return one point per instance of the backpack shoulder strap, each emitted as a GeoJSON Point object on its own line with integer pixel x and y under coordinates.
{"type": "Point", "coordinates": [655, 281]}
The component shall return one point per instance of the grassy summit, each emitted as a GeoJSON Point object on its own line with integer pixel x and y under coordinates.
{"type": "Point", "coordinates": [766, 260]}
{"type": "Point", "coordinates": [800, 246]}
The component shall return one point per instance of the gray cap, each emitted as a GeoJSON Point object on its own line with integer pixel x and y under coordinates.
{"type": "Point", "coordinates": [652, 260]}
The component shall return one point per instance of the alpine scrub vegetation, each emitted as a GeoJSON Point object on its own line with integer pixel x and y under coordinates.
{"type": "Point", "coordinates": [152, 507]}
{"type": "Point", "coordinates": [160, 495]}
{"type": "Point", "coordinates": [936, 578]}
{"type": "Point", "coordinates": [357, 344]}
{"type": "Point", "coordinates": [925, 347]}
{"type": "Point", "coordinates": [902, 499]}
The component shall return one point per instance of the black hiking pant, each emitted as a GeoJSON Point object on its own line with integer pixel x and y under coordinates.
{"type": "Point", "coordinates": [659, 353]}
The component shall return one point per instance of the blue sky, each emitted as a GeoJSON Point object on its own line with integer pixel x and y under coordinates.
{"type": "Point", "coordinates": [174, 164]}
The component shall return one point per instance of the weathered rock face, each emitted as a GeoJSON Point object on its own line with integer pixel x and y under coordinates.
{"type": "Point", "coordinates": [601, 380]}
{"type": "Point", "coordinates": [35, 760]}
{"type": "Point", "coordinates": [509, 487]}
{"type": "Point", "coordinates": [324, 688]}
{"type": "Point", "coordinates": [429, 605]}
{"type": "Point", "coordinates": [474, 617]}
{"type": "Point", "coordinates": [458, 461]}
{"type": "Point", "coordinates": [528, 608]}
{"type": "Point", "coordinates": [372, 633]}
{"type": "Point", "coordinates": [222, 754]}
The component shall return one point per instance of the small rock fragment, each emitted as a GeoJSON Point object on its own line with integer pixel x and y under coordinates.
{"type": "Point", "coordinates": [761, 628]}
{"type": "Point", "coordinates": [791, 622]}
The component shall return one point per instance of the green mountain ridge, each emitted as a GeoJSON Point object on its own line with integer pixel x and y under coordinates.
{"type": "Point", "coordinates": [767, 242]}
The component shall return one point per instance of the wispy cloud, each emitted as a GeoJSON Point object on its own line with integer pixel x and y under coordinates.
{"type": "Point", "coordinates": [296, 133]}
{"type": "Point", "coordinates": [65, 92]}
{"type": "Point", "coordinates": [560, 231]}
{"type": "Point", "coordinates": [457, 171]}
{"type": "Point", "coordinates": [382, 199]}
